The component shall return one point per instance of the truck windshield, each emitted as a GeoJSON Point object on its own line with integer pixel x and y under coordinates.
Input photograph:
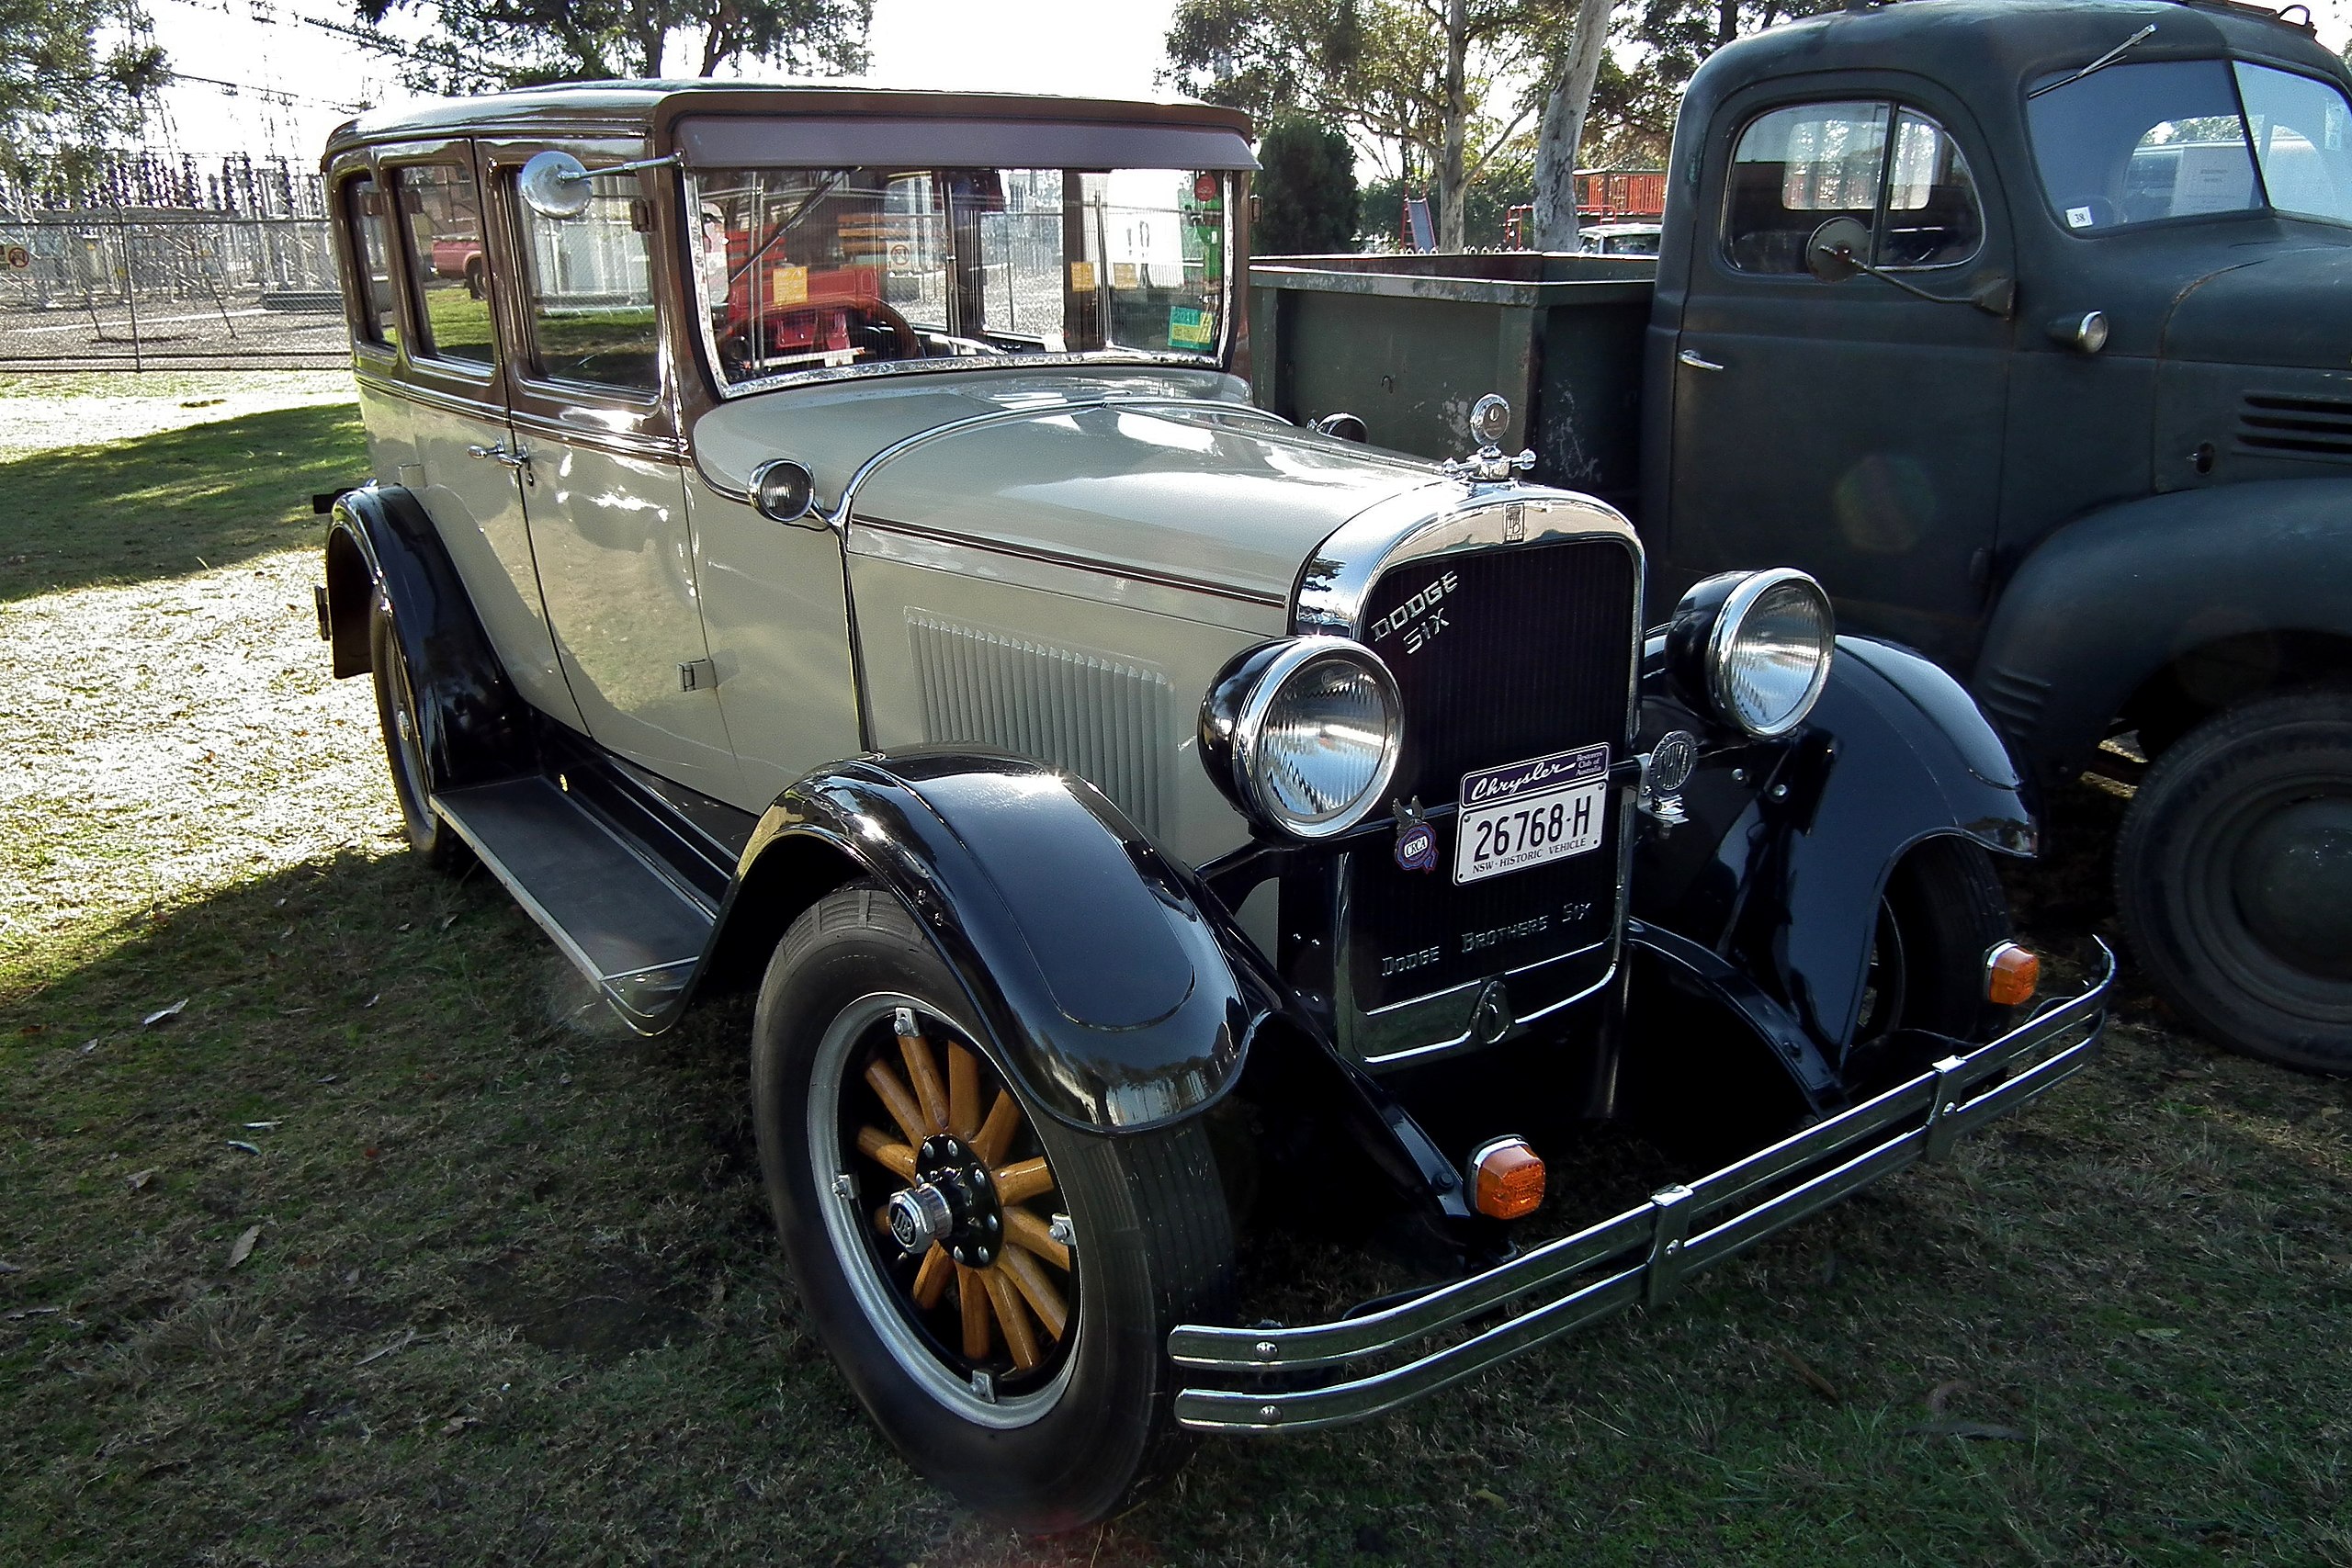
{"type": "Point", "coordinates": [2144, 142]}
{"type": "Point", "coordinates": [811, 272]}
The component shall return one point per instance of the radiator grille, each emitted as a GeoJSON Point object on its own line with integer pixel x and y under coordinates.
{"type": "Point", "coordinates": [1110, 723]}
{"type": "Point", "coordinates": [1535, 658]}
{"type": "Point", "coordinates": [2305, 427]}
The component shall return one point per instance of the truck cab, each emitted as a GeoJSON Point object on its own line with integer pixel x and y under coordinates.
{"type": "Point", "coordinates": [2073, 417]}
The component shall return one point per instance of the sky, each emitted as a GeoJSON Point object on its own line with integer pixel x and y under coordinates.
{"type": "Point", "coordinates": [296, 80]}
{"type": "Point", "coordinates": [293, 79]}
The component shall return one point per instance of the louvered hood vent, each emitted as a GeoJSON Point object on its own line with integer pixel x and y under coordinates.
{"type": "Point", "coordinates": [1112, 724]}
{"type": "Point", "coordinates": [2300, 427]}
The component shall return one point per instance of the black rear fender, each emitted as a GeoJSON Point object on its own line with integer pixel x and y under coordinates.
{"type": "Point", "coordinates": [1115, 987]}
{"type": "Point", "coordinates": [475, 725]}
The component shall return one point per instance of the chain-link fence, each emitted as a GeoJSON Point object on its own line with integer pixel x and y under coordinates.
{"type": "Point", "coordinates": [156, 264]}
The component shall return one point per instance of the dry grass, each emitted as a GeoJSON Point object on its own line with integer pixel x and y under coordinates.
{"type": "Point", "coordinates": [514, 1296]}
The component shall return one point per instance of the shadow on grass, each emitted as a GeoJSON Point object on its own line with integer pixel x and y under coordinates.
{"type": "Point", "coordinates": [174, 503]}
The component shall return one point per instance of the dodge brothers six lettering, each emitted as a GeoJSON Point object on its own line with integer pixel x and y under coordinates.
{"type": "Point", "coordinates": [820, 542]}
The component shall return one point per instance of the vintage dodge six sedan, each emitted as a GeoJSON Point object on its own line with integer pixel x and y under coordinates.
{"type": "Point", "coordinates": [827, 547]}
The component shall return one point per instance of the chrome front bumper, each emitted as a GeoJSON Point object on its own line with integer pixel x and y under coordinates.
{"type": "Point", "coordinates": [1639, 1256]}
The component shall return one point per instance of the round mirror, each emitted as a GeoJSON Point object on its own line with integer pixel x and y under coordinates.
{"type": "Point", "coordinates": [554, 184]}
{"type": "Point", "coordinates": [1835, 251]}
{"type": "Point", "coordinates": [1490, 417]}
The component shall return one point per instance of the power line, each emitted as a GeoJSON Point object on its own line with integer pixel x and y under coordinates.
{"type": "Point", "coordinates": [267, 95]}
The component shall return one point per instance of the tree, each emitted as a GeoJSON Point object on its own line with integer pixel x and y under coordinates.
{"type": "Point", "coordinates": [1307, 190]}
{"type": "Point", "coordinates": [1416, 75]}
{"type": "Point", "coordinates": [499, 43]}
{"type": "Point", "coordinates": [73, 75]}
{"type": "Point", "coordinates": [1557, 144]}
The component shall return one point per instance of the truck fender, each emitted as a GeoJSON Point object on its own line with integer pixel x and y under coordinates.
{"type": "Point", "coordinates": [1894, 754]}
{"type": "Point", "coordinates": [1115, 987]}
{"type": "Point", "coordinates": [475, 726]}
{"type": "Point", "coordinates": [2111, 599]}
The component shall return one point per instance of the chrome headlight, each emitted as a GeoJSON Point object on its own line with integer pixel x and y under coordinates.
{"type": "Point", "coordinates": [1754, 646]}
{"type": "Point", "coordinates": [1303, 734]}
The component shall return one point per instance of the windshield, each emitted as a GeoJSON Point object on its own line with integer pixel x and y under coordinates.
{"type": "Point", "coordinates": [2141, 143]}
{"type": "Point", "coordinates": [815, 271]}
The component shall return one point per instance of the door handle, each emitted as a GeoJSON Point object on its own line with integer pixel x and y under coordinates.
{"type": "Point", "coordinates": [518, 458]}
{"type": "Point", "coordinates": [1696, 361]}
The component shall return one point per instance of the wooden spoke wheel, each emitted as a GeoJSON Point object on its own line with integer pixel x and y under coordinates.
{"type": "Point", "coordinates": [996, 1284]}
{"type": "Point", "coordinates": [962, 1232]}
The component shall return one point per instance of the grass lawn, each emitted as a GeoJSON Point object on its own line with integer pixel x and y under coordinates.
{"type": "Point", "coordinates": [385, 1244]}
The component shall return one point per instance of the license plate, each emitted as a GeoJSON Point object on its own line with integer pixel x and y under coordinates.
{"type": "Point", "coordinates": [1529, 812]}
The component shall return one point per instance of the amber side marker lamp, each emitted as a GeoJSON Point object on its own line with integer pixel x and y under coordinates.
{"type": "Point", "coordinates": [2011, 973]}
{"type": "Point", "coordinates": [1506, 1178]}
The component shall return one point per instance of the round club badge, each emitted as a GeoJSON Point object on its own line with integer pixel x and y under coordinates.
{"type": "Point", "coordinates": [1417, 847]}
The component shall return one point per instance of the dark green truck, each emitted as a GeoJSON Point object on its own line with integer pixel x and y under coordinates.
{"type": "Point", "coordinates": [2028, 331]}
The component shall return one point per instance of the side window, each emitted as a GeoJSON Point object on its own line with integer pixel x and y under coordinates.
{"type": "Point", "coordinates": [591, 291]}
{"type": "Point", "coordinates": [1899, 175]}
{"type": "Point", "coordinates": [442, 213]}
{"type": "Point", "coordinates": [371, 255]}
{"type": "Point", "coordinates": [1933, 218]}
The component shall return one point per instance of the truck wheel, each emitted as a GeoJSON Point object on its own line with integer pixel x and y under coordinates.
{"type": "Point", "coordinates": [2233, 877]}
{"type": "Point", "coordinates": [404, 744]}
{"type": "Point", "coordinates": [997, 1287]}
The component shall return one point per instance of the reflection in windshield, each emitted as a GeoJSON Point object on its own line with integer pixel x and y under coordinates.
{"type": "Point", "coordinates": [2145, 141]}
{"type": "Point", "coordinates": [823, 270]}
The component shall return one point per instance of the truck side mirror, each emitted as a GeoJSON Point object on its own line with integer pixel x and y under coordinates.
{"type": "Point", "coordinates": [1833, 253]}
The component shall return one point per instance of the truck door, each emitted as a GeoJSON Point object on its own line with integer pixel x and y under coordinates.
{"type": "Point", "coordinates": [604, 468]}
{"type": "Point", "coordinates": [1848, 428]}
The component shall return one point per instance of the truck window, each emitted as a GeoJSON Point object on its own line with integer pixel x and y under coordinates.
{"type": "Point", "coordinates": [2139, 143]}
{"type": "Point", "coordinates": [591, 291]}
{"type": "Point", "coordinates": [2303, 140]}
{"type": "Point", "coordinates": [442, 214]}
{"type": "Point", "coordinates": [371, 251]}
{"type": "Point", "coordinates": [1795, 168]}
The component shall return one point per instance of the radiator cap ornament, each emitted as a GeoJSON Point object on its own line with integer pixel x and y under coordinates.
{"type": "Point", "coordinates": [1490, 417]}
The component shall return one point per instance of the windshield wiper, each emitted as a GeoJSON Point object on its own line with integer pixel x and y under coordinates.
{"type": "Point", "coordinates": [2101, 63]}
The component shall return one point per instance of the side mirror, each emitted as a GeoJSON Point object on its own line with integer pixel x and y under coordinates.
{"type": "Point", "coordinates": [1834, 253]}
{"type": "Point", "coordinates": [554, 184]}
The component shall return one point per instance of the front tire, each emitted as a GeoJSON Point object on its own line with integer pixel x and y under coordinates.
{"type": "Point", "coordinates": [861, 1041]}
{"type": "Point", "coordinates": [1942, 916]}
{"type": "Point", "coordinates": [2233, 878]}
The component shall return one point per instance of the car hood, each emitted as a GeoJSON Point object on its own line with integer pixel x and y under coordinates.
{"type": "Point", "coordinates": [2290, 308]}
{"type": "Point", "coordinates": [1158, 474]}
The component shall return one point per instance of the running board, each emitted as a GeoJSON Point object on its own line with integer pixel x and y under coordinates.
{"type": "Point", "coordinates": [633, 929]}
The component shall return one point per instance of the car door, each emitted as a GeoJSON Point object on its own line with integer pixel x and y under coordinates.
{"type": "Point", "coordinates": [604, 470]}
{"type": "Point", "coordinates": [435, 384]}
{"type": "Point", "coordinates": [1848, 428]}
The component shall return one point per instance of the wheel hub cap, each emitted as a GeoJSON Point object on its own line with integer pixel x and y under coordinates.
{"type": "Point", "coordinates": [2292, 879]}
{"type": "Point", "coordinates": [951, 1177]}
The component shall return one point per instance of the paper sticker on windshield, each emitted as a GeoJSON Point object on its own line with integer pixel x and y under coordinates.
{"type": "Point", "coordinates": [2078, 218]}
{"type": "Point", "coordinates": [1081, 277]}
{"type": "Point", "coordinates": [1188, 328]}
{"type": "Point", "coordinates": [788, 285]}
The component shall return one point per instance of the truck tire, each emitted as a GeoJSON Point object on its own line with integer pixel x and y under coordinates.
{"type": "Point", "coordinates": [405, 746]}
{"type": "Point", "coordinates": [2234, 878]}
{"type": "Point", "coordinates": [862, 1040]}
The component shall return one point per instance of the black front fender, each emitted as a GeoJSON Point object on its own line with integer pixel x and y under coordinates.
{"type": "Point", "coordinates": [2111, 599]}
{"type": "Point", "coordinates": [1114, 986]}
{"type": "Point", "coordinates": [1790, 847]}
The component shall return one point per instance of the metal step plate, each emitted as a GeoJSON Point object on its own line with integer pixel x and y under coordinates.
{"type": "Point", "coordinates": [630, 928]}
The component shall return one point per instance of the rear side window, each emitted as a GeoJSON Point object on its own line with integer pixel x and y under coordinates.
{"type": "Point", "coordinates": [591, 292]}
{"type": "Point", "coordinates": [371, 259]}
{"type": "Point", "coordinates": [1897, 172]}
{"type": "Point", "coordinates": [441, 211]}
